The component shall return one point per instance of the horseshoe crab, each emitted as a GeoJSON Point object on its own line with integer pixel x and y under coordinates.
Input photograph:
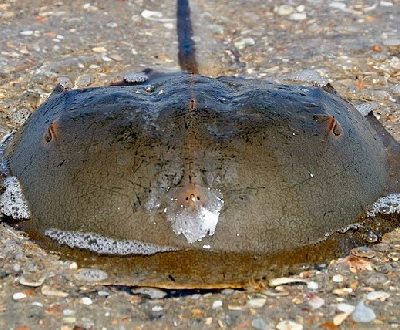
{"type": "Point", "coordinates": [195, 173]}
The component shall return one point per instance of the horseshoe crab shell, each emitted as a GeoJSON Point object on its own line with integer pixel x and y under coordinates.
{"type": "Point", "coordinates": [183, 162]}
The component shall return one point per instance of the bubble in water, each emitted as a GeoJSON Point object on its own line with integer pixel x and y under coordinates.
{"type": "Point", "coordinates": [385, 205]}
{"type": "Point", "coordinates": [104, 245]}
{"type": "Point", "coordinates": [196, 215]}
{"type": "Point", "coordinates": [12, 201]}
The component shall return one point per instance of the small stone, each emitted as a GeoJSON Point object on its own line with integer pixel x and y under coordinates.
{"type": "Point", "coordinates": [82, 81]}
{"type": "Point", "coordinates": [243, 43]}
{"type": "Point", "coordinates": [391, 42]}
{"type": "Point", "coordinates": [378, 295]}
{"type": "Point", "coordinates": [343, 291]}
{"type": "Point", "coordinates": [337, 278]}
{"type": "Point", "coordinates": [298, 16]}
{"type": "Point", "coordinates": [363, 252]}
{"type": "Point", "coordinates": [363, 314]}
{"type": "Point", "coordinates": [68, 312]}
{"type": "Point", "coordinates": [151, 15]}
{"type": "Point", "coordinates": [91, 275]}
{"type": "Point", "coordinates": [345, 308]}
{"type": "Point", "coordinates": [315, 302]}
{"type": "Point", "coordinates": [37, 304]}
{"type": "Point", "coordinates": [338, 5]}
{"type": "Point", "coordinates": [151, 293]}
{"type": "Point", "coordinates": [300, 8]}
{"type": "Point", "coordinates": [19, 296]}
{"type": "Point", "coordinates": [340, 318]}
{"type": "Point", "coordinates": [99, 50]}
{"type": "Point", "coordinates": [284, 10]}
{"type": "Point", "coordinates": [286, 280]}
{"type": "Point", "coordinates": [65, 82]}
{"type": "Point", "coordinates": [48, 291]}
{"type": "Point", "coordinates": [259, 324]}
{"type": "Point", "coordinates": [31, 280]}
{"type": "Point", "coordinates": [86, 301]}
{"type": "Point", "coordinates": [312, 285]}
{"type": "Point", "coordinates": [73, 264]}
{"type": "Point", "coordinates": [112, 25]}
{"type": "Point", "coordinates": [69, 319]}
{"type": "Point", "coordinates": [227, 292]}
{"type": "Point", "coordinates": [116, 57]}
{"type": "Point", "coordinates": [375, 280]}
{"type": "Point", "coordinates": [106, 58]}
{"type": "Point", "coordinates": [26, 33]}
{"type": "Point", "coordinates": [256, 302]}
{"type": "Point", "coordinates": [103, 293]}
{"type": "Point", "coordinates": [157, 308]}
{"type": "Point", "coordinates": [289, 325]}
{"type": "Point", "coordinates": [271, 293]}
{"type": "Point", "coordinates": [217, 304]}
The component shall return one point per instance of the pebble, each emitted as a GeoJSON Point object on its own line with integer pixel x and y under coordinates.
{"type": "Point", "coordinates": [312, 285]}
{"type": "Point", "coordinates": [151, 293]}
{"type": "Point", "coordinates": [340, 318]}
{"type": "Point", "coordinates": [86, 301]}
{"type": "Point", "coordinates": [69, 319]}
{"type": "Point", "coordinates": [116, 57]}
{"type": "Point", "coordinates": [363, 252]}
{"type": "Point", "coordinates": [19, 296]}
{"type": "Point", "coordinates": [337, 278]}
{"type": "Point", "coordinates": [227, 292]}
{"type": "Point", "coordinates": [256, 302]}
{"type": "Point", "coordinates": [259, 324]}
{"type": "Point", "coordinates": [298, 16]}
{"type": "Point", "coordinates": [286, 280]}
{"type": "Point", "coordinates": [31, 281]}
{"type": "Point", "coordinates": [337, 5]}
{"type": "Point", "coordinates": [345, 308]}
{"type": "Point", "coordinates": [391, 42]}
{"type": "Point", "coordinates": [316, 302]}
{"type": "Point", "coordinates": [91, 275]}
{"type": "Point", "coordinates": [363, 314]}
{"type": "Point", "coordinates": [343, 291]}
{"type": "Point", "coordinates": [285, 10]}
{"type": "Point", "coordinates": [99, 50]}
{"type": "Point", "coordinates": [217, 304]}
{"type": "Point", "coordinates": [243, 43]}
{"type": "Point", "coordinates": [157, 308]}
{"type": "Point", "coordinates": [103, 293]}
{"type": "Point", "coordinates": [112, 24]}
{"type": "Point", "coordinates": [375, 280]}
{"type": "Point", "coordinates": [26, 33]}
{"type": "Point", "coordinates": [307, 75]}
{"type": "Point", "coordinates": [48, 291]}
{"type": "Point", "coordinates": [151, 15]}
{"type": "Point", "coordinates": [65, 82]}
{"type": "Point", "coordinates": [83, 81]}
{"type": "Point", "coordinates": [289, 325]}
{"type": "Point", "coordinates": [68, 312]}
{"type": "Point", "coordinates": [378, 295]}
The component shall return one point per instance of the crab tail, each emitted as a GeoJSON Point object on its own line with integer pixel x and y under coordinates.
{"type": "Point", "coordinates": [186, 45]}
